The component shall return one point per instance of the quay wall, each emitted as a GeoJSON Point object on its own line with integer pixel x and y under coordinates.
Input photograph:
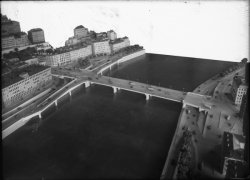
{"type": "Point", "coordinates": [12, 128]}
{"type": "Point", "coordinates": [123, 59]}
{"type": "Point", "coordinates": [24, 104]}
{"type": "Point", "coordinates": [176, 137]}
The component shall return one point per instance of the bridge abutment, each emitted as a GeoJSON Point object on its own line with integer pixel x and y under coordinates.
{"type": "Point", "coordinates": [87, 84]}
{"type": "Point", "coordinates": [115, 89]}
{"type": "Point", "coordinates": [184, 105]}
{"type": "Point", "coordinates": [147, 96]}
{"type": "Point", "coordinates": [40, 115]}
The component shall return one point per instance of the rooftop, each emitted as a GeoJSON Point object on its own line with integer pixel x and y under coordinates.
{"type": "Point", "coordinates": [101, 39]}
{"type": "Point", "coordinates": [13, 77]}
{"type": "Point", "coordinates": [35, 30]}
{"type": "Point", "coordinates": [9, 22]}
{"type": "Point", "coordinates": [118, 40]}
{"type": "Point", "coordinates": [16, 35]}
{"type": "Point", "coordinates": [80, 27]}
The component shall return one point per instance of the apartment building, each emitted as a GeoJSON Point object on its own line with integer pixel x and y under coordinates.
{"type": "Point", "coordinates": [8, 42]}
{"type": "Point", "coordinates": [111, 35]}
{"type": "Point", "coordinates": [239, 88]}
{"type": "Point", "coordinates": [56, 59]}
{"type": "Point", "coordinates": [21, 39]}
{"type": "Point", "coordinates": [36, 36]}
{"type": "Point", "coordinates": [119, 43]}
{"type": "Point", "coordinates": [101, 47]}
{"type": "Point", "coordinates": [80, 31]}
{"type": "Point", "coordinates": [81, 52]}
{"type": "Point", "coordinates": [10, 27]}
{"type": "Point", "coordinates": [15, 40]}
{"type": "Point", "coordinates": [18, 86]}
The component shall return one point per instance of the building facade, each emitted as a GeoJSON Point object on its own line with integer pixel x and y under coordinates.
{"type": "Point", "coordinates": [8, 42]}
{"type": "Point", "coordinates": [36, 36]}
{"type": "Point", "coordinates": [120, 43]}
{"type": "Point", "coordinates": [27, 83]}
{"type": "Point", "coordinates": [101, 47]}
{"type": "Point", "coordinates": [10, 27]}
{"type": "Point", "coordinates": [13, 41]}
{"type": "Point", "coordinates": [59, 59]}
{"type": "Point", "coordinates": [80, 31]}
{"type": "Point", "coordinates": [112, 35]}
{"type": "Point", "coordinates": [239, 88]}
{"type": "Point", "coordinates": [80, 53]}
{"type": "Point", "coordinates": [22, 40]}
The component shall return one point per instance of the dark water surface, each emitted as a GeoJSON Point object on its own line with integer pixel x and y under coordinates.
{"type": "Point", "coordinates": [170, 71]}
{"type": "Point", "coordinates": [96, 134]}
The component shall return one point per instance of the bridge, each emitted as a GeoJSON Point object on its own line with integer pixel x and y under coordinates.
{"type": "Point", "coordinates": [201, 102]}
{"type": "Point", "coordinates": [87, 78]}
{"type": "Point", "coordinates": [141, 88]}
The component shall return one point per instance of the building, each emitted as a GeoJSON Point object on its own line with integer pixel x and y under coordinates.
{"type": "Point", "coordinates": [4, 18]}
{"type": "Point", "coordinates": [21, 39]}
{"type": "Point", "coordinates": [80, 31]}
{"type": "Point", "coordinates": [21, 84]}
{"type": "Point", "coordinates": [36, 36]}
{"type": "Point", "coordinates": [101, 47]}
{"type": "Point", "coordinates": [101, 35]}
{"type": "Point", "coordinates": [239, 88]}
{"type": "Point", "coordinates": [8, 42]}
{"type": "Point", "coordinates": [119, 43]}
{"type": "Point", "coordinates": [10, 27]}
{"type": "Point", "coordinates": [32, 61]}
{"type": "Point", "coordinates": [111, 35]}
{"type": "Point", "coordinates": [72, 41]}
{"type": "Point", "coordinates": [233, 164]}
{"type": "Point", "coordinates": [81, 52]}
{"type": "Point", "coordinates": [56, 59]}
{"type": "Point", "coordinates": [15, 40]}
{"type": "Point", "coordinates": [43, 46]}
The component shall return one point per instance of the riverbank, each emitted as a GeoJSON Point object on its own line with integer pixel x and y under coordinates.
{"type": "Point", "coordinates": [16, 124]}
{"type": "Point", "coordinates": [208, 139]}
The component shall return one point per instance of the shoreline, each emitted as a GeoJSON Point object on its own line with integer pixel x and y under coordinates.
{"type": "Point", "coordinates": [22, 121]}
{"type": "Point", "coordinates": [217, 79]}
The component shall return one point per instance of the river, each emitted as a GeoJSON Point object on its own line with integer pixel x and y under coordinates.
{"type": "Point", "coordinates": [96, 134]}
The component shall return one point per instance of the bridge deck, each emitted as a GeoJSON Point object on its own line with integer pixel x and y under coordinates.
{"type": "Point", "coordinates": [138, 87]}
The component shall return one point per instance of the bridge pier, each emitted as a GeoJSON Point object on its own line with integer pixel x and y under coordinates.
{"type": "Point", "coordinates": [56, 103]}
{"type": "Point", "coordinates": [40, 115]}
{"type": "Point", "coordinates": [87, 84]}
{"type": "Point", "coordinates": [147, 96]}
{"type": "Point", "coordinates": [70, 93]}
{"type": "Point", "coordinates": [200, 109]}
{"type": "Point", "coordinates": [115, 89]}
{"type": "Point", "coordinates": [184, 105]}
